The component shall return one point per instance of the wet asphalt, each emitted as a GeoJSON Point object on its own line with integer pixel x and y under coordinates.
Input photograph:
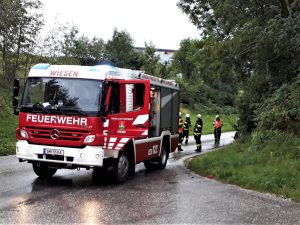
{"type": "Point", "coordinates": [174, 195]}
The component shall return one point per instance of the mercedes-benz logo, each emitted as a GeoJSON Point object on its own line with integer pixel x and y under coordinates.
{"type": "Point", "coordinates": [55, 134]}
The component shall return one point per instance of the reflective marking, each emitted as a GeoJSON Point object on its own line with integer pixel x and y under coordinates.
{"type": "Point", "coordinates": [124, 140]}
{"type": "Point", "coordinates": [112, 139]}
{"type": "Point", "coordinates": [141, 119]}
{"type": "Point", "coordinates": [117, 148]}
{"type": "Point", "coordinates": [120, 145]}
{"type": "Point", "coordinates": [145, 133]}
{"type": "Point", "coordinates": [111, 144]}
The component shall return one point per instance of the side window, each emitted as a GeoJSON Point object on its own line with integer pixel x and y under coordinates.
{"type": "Point", "coordinates": [114, 99]}
{"type": "Point", "coordinates": [138, 96]}
{"type": "Point", "coordinates": [126, 98]}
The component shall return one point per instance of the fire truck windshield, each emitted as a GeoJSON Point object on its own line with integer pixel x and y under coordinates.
{"type": "Point", "coordinates": [58, 94]}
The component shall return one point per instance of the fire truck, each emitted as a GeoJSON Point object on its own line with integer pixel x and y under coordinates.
{"type": "Point", "coordinates": [100, 117]}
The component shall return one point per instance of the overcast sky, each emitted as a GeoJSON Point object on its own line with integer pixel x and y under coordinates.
{"type": "Point", "coordinates": [159, 21]}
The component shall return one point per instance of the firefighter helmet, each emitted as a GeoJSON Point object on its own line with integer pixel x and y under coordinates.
{"type": "Point", "coordinates": [199, 116]}
{"type": "Point", "coordinates": [217, 116]}
{"type": "Point", "coordinates": [179, 114]}
{"type": "Point", "coordinates": [187, 116]}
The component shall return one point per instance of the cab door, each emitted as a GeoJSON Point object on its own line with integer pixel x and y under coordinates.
{"type": "Point", "coordinates": [127, 111]}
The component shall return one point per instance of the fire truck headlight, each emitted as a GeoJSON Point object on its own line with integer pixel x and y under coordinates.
{"type": "Point", "coordinates": [24, 134]}
{"type": "Point", "coordinates": [89, 138]}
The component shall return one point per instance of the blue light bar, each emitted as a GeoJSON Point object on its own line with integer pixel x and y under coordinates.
{"type": "Point", "coordinates": [41, 66]}
{"type": "Point", "coordinates": [104, 68]}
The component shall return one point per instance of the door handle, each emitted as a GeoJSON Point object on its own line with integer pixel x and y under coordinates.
{"type": "Point", "coordinates": [141, 126]}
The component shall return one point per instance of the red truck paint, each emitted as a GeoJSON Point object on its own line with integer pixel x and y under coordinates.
{"type": "Point", "coordinates": [132, 118]}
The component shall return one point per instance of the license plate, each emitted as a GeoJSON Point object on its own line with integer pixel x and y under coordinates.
{"type": "Point", "coordinates": [50, 151]}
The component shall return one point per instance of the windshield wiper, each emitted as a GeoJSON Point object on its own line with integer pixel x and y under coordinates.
{"type": "Point", "coordinates": [71, 109]}
{"type": "Point", "coordinates": [40, 106]}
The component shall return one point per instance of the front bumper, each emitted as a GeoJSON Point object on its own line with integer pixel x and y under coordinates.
{"type": "Point", "coordinates": [88, 156]}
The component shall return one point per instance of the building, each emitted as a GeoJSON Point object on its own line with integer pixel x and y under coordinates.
{"type": "Point", "coordinates": [166, 55]}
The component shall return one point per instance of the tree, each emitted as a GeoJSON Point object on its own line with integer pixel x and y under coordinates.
{"type": "Point", "coordinates": [20, 24]}
{"type": "Point", "coordinates": [120, 50]}
{"type": "Point", "coordinates": [68, 44]}
{"type": "Point", "coordinates": [224, 18]}
{"type": "Point", "coordinates": [150, 61]}
{"type": "Point", "coordinates": [208, 80]}
{"type": "Point", "coordinates": [260, 40]}
{"type": "Point", "coordinates": [184, 58]}
{"type": "Point", "coordinates": [50, 46]}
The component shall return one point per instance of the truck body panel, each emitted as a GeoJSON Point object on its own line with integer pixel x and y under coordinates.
{"type": "Point", "coordinates": [81, 116]}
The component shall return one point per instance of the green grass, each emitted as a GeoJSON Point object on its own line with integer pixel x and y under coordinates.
{"type": "Point", "coordinates": [266, 162]}
{"type": "Point", "coordinates": [228, 121]}
{"type": "Point", "coordinates": [8, 127]}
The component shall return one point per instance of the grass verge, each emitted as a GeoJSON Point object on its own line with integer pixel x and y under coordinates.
{"type": "Point", "coordinates": [266, 162]}
{"type": "Point", "coordinates": [8, 127]}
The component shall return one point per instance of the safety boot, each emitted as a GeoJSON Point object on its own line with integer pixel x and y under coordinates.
{"type": "Point", "coordinates": [180, 149]}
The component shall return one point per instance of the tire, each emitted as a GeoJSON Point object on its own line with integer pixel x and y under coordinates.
{"type": "Point", "coordinates": [163, 158]}
{"type": "Point", "coordinates": [121, 168]}
{"type": "Point", "coordinates": [101, 176]}
{"type": "Point", "coordinates": [150, 165]}
{"type": "Point", "coordinates": [160, 162]}
{"type": "Point", "coordinates": [99, 172]}
{"type": "Point", "coordinates": [43, 171]}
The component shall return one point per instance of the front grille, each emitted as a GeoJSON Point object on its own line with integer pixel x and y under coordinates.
{"type": "Point", "coordinates": [64, 134]}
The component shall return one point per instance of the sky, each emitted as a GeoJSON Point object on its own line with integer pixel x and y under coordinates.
{"type": "Point", "coordinates": [158, 21]}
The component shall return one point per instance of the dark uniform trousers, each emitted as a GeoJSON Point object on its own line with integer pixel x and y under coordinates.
{"type": "Point", "coordinates": [180, 140]}
{"type": "Point", "coordinates": [197, 137]}
{"type": "Point", "coordinates": [217, 133]}
{"type": "Point", "coordinates": [197, 134]}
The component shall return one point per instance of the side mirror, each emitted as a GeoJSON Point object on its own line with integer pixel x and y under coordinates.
{"type": "Point", "coordinates": [103, 99]}
{"type": "Point", "coordinates": [15, 101]}
{"type": "Point", "coordinates": [16, 87]}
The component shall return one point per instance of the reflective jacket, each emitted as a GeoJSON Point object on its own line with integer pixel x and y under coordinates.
{"type": "Point", "coordinates": [218, 124]}
{"type": "Point", "coordinates": [186, 125]}
{"type": "Point", "coordinates": [198, 127]}
{"type": "Point", "coordinates": [180, 126]}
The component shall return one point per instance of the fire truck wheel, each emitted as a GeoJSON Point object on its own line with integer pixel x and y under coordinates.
{"type": "Point", "coordinates": [43, 171]}
{"type": "Point", "coordinates": [162, 160]}
{"type": "Point", "coordinates": [121, 168]}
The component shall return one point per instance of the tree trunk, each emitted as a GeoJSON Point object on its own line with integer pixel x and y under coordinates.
{"type": "Point", "coordinates": [285, 8]}
{"type": "Point", "coordinates": [15, 69]}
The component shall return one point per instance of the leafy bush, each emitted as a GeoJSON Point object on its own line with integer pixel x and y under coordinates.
{"type": "Point", "coordinates": [281, 109]}
{"type": "Point", "coordinates": [5, 103]}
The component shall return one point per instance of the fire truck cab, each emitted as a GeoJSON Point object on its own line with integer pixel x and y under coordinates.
{"type": "Point", "coordinates": [100, 117]}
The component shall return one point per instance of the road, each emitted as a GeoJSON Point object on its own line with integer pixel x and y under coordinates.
{"type": "Point", "coordinates": [171, 196]}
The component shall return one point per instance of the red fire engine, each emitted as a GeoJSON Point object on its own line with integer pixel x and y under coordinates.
{"type": "Point", "coordinates": [100, 117]}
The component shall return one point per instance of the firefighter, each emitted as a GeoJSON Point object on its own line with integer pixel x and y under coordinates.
{"type": "Point", "coordinates": [217, 128]}
{"type": "Point", "coordinates": [186, 128]}
{"type": "Point", "coordinates": [180, 132]}
{"type": "Point", "coordinates": [198, 132]}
